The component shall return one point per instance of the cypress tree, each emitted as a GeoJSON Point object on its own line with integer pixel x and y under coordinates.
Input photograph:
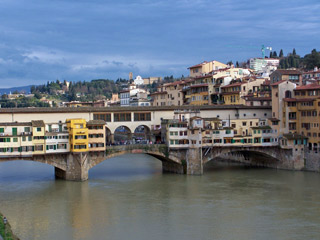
{"type": "Point", "coordinates": [281, 53]}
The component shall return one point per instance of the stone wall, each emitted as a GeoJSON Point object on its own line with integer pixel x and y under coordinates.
{"type": "Point", "coordinates": [312, 161]}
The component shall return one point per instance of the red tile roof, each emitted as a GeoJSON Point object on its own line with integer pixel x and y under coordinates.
{"type": "Point", "coordinates": [232, 85]}
{"type": "Point", "coordinates": [199, 85]}
{"type": "Point", "coordinates": [198, 65]}
{"type": "Point", "coordinates": [288, 72]}
{"type": "Point", "coordinates": [308, 87]}
{"type": "Point", "coordinates": [277, 83]}
{"type": "Point", "coordinates": [158, 93]}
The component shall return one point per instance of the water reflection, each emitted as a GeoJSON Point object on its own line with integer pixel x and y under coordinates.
{"type": "Point", "coordinates": [129, 198]}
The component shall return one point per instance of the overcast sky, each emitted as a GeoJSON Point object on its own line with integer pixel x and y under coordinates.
{"type": "Point", "coordinates": [42, 40]}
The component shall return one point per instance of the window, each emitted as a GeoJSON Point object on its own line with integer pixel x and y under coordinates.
{"type": "Point", "coordinates": [15, 139]}
{"type": "Point", "coordinates": [2, 129]}
{"type": "Point", "coordinates": [142, 116]}
{"type": "Point", "coordinates": [122, 117]}
{"type": "Point", "coordinates": [38, 129]}
{"type": "Point", "coordinates": [27, 129]}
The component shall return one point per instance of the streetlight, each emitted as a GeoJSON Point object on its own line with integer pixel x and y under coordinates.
{"type": "Point", "coordinates": [5, 224]}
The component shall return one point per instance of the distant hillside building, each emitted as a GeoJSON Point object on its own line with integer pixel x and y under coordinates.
{"type": "Point", "coordinates": [292, 75]}
{"type": "Point", "coordinates": [257, 64]}
{"type": "Point", "coordinates": [138, 80]}
{"type": "Point", "coordinates": [205, 68]}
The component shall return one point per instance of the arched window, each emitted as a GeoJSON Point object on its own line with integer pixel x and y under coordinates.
{"type": "Point", "coordinates": [288, 94]}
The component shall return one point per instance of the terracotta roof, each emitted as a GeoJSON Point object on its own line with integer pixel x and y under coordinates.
{"type": "Point", "coordinates": [198, 65]}
{"type": "Point", "coordinates": [15, 124]}
{"type": "Point", "coordinates": [293, 136]}
{"type": "Point", "coordinates": [174, 83]}
{"type": "Point", "coordinates": [274, 119]}
{"type": "Point", "coordinates": [288, 72]}
{"type": "Point", "coordinates": [277, 83]}
{"type": "Point", "coordinates": [204, 76]}
{"type": "Point", "coordinates": [266, 83]}
{"type": "Point", "coordinates": [199, 85]}
{"type": "Point", "coordinates": [158, 93]}
{"type": "Point", "coordinates": [37, 123]}
{"type": "Point", "coordinates": [232, 85]}
{"type": "Point", "coordinates": [308, 87]}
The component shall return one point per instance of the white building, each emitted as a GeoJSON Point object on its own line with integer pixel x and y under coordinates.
{"type": "Point", "coordinates": [138, 81]}
{"type": "Point", "coordinates": [257, 64]}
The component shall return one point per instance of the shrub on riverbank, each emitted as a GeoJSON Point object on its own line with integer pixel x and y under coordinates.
{"type": "Point", "coordinates": [8, 230]}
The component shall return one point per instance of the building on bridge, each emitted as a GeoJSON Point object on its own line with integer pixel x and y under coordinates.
{"type": "Point", "coordinates": [78, 135]}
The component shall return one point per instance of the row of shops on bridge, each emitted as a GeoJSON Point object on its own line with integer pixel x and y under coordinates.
{"type": "Point", "coordinates": [187, 129]}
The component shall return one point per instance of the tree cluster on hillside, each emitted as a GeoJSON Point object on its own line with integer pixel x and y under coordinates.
{"type": "Point", "coordinates": [21, 102]}
{"type": "Point", "coordinates": [293, 60]}
{"type": "Point", "coordinates": [83, 91]}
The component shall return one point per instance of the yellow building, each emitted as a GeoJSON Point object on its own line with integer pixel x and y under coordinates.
{"type": "Point", "coordinates": [78, 135]}
{"type": "Point", "coordinates": [205, 68]}
{"type": "Point", "coordinates": [38, 140]}
{"type": "Point", "coordinates": [302, 113]}
{"type": "Point", "coordinates": [231, 93]}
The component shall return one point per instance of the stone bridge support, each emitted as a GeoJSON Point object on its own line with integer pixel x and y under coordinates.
{"type": "Point", "coordinates": [77, 167]}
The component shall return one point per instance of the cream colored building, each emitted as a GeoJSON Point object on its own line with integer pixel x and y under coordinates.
{"type": "Point", "coordinates": [205, 68]}
{"type": "Point", "coordinates": [96, 134]}
{"type": "Point", "coordinates": [169, 94]}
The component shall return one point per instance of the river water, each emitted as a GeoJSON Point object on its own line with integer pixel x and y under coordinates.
{"type": "Point", "coordinates": [128, 197]}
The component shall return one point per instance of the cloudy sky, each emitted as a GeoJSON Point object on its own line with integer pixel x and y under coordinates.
{"type": "Point", "coordinates": [45, 40]}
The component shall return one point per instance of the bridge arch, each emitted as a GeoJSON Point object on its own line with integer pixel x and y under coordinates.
{"type": "Point", "coordinates": [54, 160]}
{"type": "Point", "coordinates": [142, 133]}
{"type": "Point", "coordinates": [170, 163]}
{"type": "Point", "coordinates": [257, 156]}
{"type": "Point", "coordinates": [122, 134]}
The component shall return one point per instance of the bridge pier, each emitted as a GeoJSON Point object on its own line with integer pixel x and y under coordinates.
{"type": "Point", "coordinates": [194, 161]}
{"type": "Point", "coordinates": [77, 167]}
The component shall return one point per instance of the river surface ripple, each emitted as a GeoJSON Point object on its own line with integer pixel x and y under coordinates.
{"type": "Point", "coordinates": [128, 197]}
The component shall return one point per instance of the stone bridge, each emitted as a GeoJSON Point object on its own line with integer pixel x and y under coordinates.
{"type": "Point", "coordinates": [75, 166]}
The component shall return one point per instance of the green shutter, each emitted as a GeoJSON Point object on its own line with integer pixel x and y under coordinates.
{"type": "Point", "coordinates": [1, 130]}
{"type": "Point", "coordinates": [54, 147]}
{"type": "Point", "coordinates": [47, 147]}
{"type": "Point", "coordinates": [14, 131]}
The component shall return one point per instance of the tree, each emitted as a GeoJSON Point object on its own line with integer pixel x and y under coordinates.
{"type": "Point", "coordinates": [237, 64]}
{"type": "Point", "coordinates": [312, 60]}
{"type": "Point", "coordinates": [274, 54]}
{"type": "Point", "coordinates": [294, 52]}
{"type": "Point", "coordinates": [37, 95]}
{"type": "Point", "coordinates": [4, 96]}
{"type": "Point", "coordinates": [230, 63]}
{"type": "Point", "coordinates": [281, 53]}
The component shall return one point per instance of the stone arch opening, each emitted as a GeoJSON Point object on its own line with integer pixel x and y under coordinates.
{"type": "Point", "coordinates": [142, 135]}
{"type": "Point", "coordinates": [254, 158]}
{"type": "Point", "coordinates": [169, 163]}
{"type": "Point", "coordinates": [122, 135]}
{"type": "Point", "coordinates": [288, 94]}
